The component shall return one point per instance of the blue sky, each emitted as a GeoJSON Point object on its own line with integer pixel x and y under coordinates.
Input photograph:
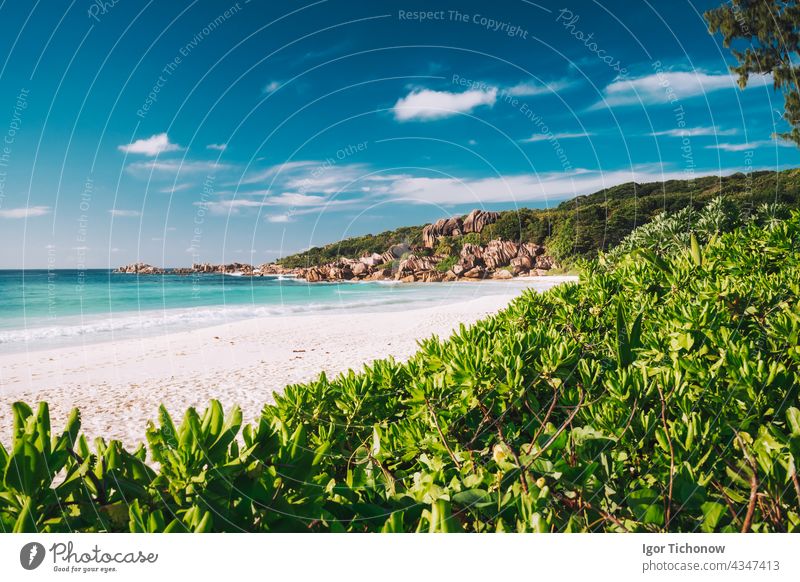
{"type": "Point", "coordinates": [172, 132]}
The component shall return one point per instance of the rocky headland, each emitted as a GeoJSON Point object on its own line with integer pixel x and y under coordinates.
{"type": "Point", "coordinates": [426, 263]}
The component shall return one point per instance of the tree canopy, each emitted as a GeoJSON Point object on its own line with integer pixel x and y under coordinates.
{"type": "Point", "coordinates": [771, 29]}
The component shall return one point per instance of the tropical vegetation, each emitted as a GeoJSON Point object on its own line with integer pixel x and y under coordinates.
{"type": "Point", "coordinates": [767, 31]}
{"type": "Point", "coordinates": [585, 225]}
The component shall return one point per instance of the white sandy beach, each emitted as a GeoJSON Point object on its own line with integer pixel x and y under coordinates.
{"type": "Point", "coordinates": [118, 385]}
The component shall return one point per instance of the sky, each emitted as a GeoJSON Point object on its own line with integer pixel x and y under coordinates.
{"type": "Point", "coordinates": [217, 131]}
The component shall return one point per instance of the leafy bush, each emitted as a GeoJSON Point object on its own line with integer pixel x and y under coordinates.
{"type": "Point", "coordinates": [471, 238]}
{"type": "Point", "coordinates": [659, 394]}
{"type": "Point", "coordinates": [667, 232]}
{"type": "Point", "coordinates": [446, 264]}
{"type": "Point", "coordinates": [446, 246]}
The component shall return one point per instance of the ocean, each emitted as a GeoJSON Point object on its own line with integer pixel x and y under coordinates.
{"type": "Point", "coordinates": [42, 309]}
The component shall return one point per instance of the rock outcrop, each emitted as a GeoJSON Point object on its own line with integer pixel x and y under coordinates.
{"type": "Point", "coordinates": [444, 227]}
{"type": "Point", "coordinates": [414, 264]}
{"type": "Point", "coordinates": [498, 253]}
{"type": "Point", "coordinates": [498, 259]}
{"type": "Point", "coordinates": [475, 221]}
{"type": "Point", "coordinates": [140, 269]}
{"type": "Point", "coordinates": [520, 264]}
{"type": "Point", "coordinates": [475, 273]}
{"type": "Point", "coordinates": [530, 250]}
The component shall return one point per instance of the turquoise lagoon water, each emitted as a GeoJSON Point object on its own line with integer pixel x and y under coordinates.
{"type": "Point", "coordinates": [40, 308]}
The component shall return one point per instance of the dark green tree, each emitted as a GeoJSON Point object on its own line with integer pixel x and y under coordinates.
{"type": "Point", "coordinates": [771, 29]}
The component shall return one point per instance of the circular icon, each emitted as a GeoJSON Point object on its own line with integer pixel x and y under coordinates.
{"type": "Point", "coordinates": [31, 555]}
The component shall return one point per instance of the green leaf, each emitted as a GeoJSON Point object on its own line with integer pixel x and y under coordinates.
{"type": "Point", "coordinates": [624, 352]}
{"type": "Point", "coordinates": [136, 522]}
{"type": "Point", "coordinates": [654, 260]}
{"type": "Point", "coordinates": [394, 524]}
{"type": "Point", "coordinates": [646, 506]}
{"type": "Point", "coordinates": [68, 438]}
{"type": "Point", "coordinates": [42, 441]}
{"type": "Point", "coordinates": [26, 471]}
{"type": "Point", "coordinates": [712, 513]}
{"type": "Point", "coordinates": [205, 524]}
{"type": "Point", "coordinates": [697, 254]}
{"type": "Point", "coordinates": [472, 498]}
{"type": "Point", "coordinates": [793, 418]}
{"type": "Point", "coordinates": [26, 521]}
{"type": "Point", "coordinates": [168, 431]}
{"type": "Point", "coordinates": [21, 412]}
{"type": "Point", "coordinates": [442, 520]}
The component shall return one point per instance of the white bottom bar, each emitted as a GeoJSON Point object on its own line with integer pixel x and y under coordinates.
{"type": "Point", "coordinates": [406, 557]}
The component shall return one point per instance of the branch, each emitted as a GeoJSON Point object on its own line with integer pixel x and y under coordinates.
{"type": "Point", "coordinates": [728, 502]}
{"type": "Point", "coordinates": [796, 483]}
{"type": "Point", "coordinates": [578, 504]}
{"type": "Point", "coordinates": [522, 480]}
{"type": "Point", "coordinates": [751, 506]}
{"type": "Point", "coordinates": [668, 500]}
{"type": "Point", "coordinates": [552, 439]}
{"type": "Point", "coordinates": [441, 434]}
{"type": "Point", "coordinates": [546, 416]}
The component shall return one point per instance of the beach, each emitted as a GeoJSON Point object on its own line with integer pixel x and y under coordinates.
{"type": "Point", "coordinates": [119, 384]}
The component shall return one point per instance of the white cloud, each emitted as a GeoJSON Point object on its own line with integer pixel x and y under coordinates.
{"type": "Point", "coordinates": [532, 89]}
{"type": "Point", "coordinates": [176, 166]}
{"type": "Point", "coordinates": [151, 146]}
{"type": "Point", "coordinates": [278, 218]}
{"type": "Point", "coordinates": [741, 147]}
{"type": "Point", "coordinates": [425, 104]}
{"type": "Point", "coordinates": [117, 213]}
{"type": "Point", "coordinates": [262, 175]}
{"type": "Point", "coordinates": [301, 189]}
{"type": "Point", "coordinates": [25, 212]}
{"type": "Point", "coordinates": [316, 181]}
{"type": "Point", "coordinates": [555, 136]}
{"type": "Point", "coordinates": [296, 199]}
{"type": "Point", "coordinates": [230, 206]}
{"type": "Point", "coordinates": [300, 204]}
{"type": "Point", "coordinates": [176, 188]}
{"type": "Point", "coordinates": [272, 86]}
{"type": "Point", "coordinates": [329, 179]}
{"type": "Point", "coordinates": [555, 186]}
{"type": "Point", "coordinates": [694, 132]}
{"type": "Point", "coordinates": [220, 147]}
{"type": "Point", "coordinates": [661, 88]}
{"type": "Point", "coordinates": [358, 184]}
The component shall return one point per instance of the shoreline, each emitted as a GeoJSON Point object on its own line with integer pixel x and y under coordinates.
{"type": "Point", "coordinates": [118, 385]}
{"type": "Point", "coordinates": [48, 333]}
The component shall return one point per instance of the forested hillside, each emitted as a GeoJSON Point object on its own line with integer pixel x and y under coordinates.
{"type": "Point", "coordinates": [584, 225]}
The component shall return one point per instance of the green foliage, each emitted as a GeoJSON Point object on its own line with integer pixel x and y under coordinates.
{"type": "Point", "coordinates": [668, 232]}
{"type": "Point", "coordinates": [768, 30]}
{"type": "Point", "coordinates": [472, 238]}
{"type": "Point", "coordinates": [446, 246]}
{"type": "Point", "coordinates": [354, 247]}
{"type": "Point", "coordinates": [662, 393]}
{"type": "Point", "coordinates": [446, 264]}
